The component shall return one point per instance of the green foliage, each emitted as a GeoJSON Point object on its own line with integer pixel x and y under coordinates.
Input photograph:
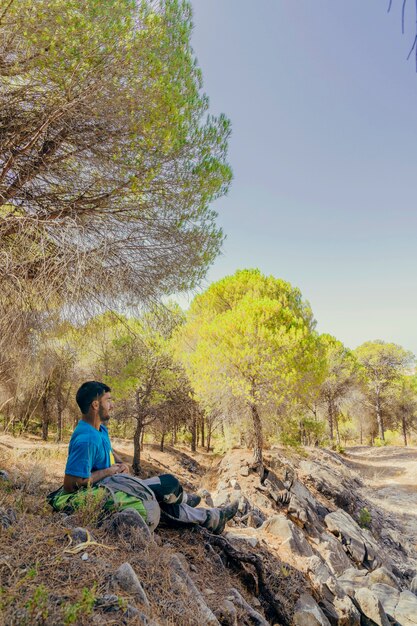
{"type": "Point", "coordinates": [115, 159]}
{"type": "Point", "coordinates": [83, 608]}
{"type": "Point", "coordinates": [379, 443]}
{"type": "Point", "coordinates": [365, 518]}
{"type": "Point", "coordinates": [37, 606]}
{"type": "Point", "coordinates": [250, 338]}
{"type": "Point", "coordinates": [89, 504]}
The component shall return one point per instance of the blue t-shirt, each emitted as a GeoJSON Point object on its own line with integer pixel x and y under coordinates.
{"type": "Point", "coordinates": [106, 438]}
{"type": "Point", "coordinates": [87, 451]}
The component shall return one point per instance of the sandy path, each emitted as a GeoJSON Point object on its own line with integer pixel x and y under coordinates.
{"type": "Point", "coordinates": [390, 476]}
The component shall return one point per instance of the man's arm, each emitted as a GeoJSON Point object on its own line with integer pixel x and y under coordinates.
{"type": "Point", "coordinates": [118, 459]}
{"type": "Point", "coordinates": [72, 483]}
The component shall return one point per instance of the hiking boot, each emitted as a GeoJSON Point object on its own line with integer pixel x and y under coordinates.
{"type": "Point", "coordinates": [218, 518]}
{"type": "Point", "coordinates": [193, 500]}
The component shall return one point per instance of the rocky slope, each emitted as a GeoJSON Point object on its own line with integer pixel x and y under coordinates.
{"type": "Point", "coordinates": [313, 544]}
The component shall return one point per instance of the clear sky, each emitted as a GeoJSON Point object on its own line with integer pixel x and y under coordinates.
{"type": "Point", "coordinates": [324, 113]}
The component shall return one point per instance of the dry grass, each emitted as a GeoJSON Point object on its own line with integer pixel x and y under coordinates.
{"type": "Point", "coordinates": [42, 584]}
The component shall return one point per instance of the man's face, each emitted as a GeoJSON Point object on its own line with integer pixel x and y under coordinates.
{"type": "Point", "coordinates": [105, 406]}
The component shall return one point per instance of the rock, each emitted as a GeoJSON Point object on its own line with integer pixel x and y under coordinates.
{"type": "Point", "coordinates": [255, 618]}
{"type": "Point", "coordinates": [227, 614]}
{"type": "Point", "coordinates": [85, 556]}
{"type": "Point", "coordinates": [79, 535]}
{"type": "Point", "coordinates": [384, 576]}
{"type": "Point", "coordinates": [331, 550]}
{"type": "Point", "coordinates": [353, 578]}
{"type": "Point", "coordinates": [126, 578]}
{"type": "Point", "coordinates": [240, 535]}
{"type": "Point", "coordinates": [291, 536]}
{"type": "Point", "coordinates": [206, 496]}
{"type": "Point", "coordinates": [323, 580]}
{"type": "Point", "coordinates": [346, 611]}
{"type": "Point", "coordinates": [244, 505]}
{"type": "Point", "coordinates": [4, 475]}
{"type": "Point", "coordinates": [185, 585]}
{"type": "Point", "coordinates": [221, 498]}
{"type": "Point", "coordinates": [8, 517]}
{"type": "Point", "coordinates": [297, 511]}
{"type": "Point", "coordinates": [110, 603]}
{"type": "Point", "coordinates": [413, 585]}
{"type": "Point", "coordinates": [244, 470]}
{"type": "Point", "coordinates": [358, 543]}
{"type": "Point", "coordinates": [254, 520]}
{"type": "Point", "coordinates": [235, 484]}
{"type": "Point", "coordinates": [406, 609]}
{"type": "Point", "coordinates": [388, 597]}
{"type": "Point", "coordinates": [308, 613]}
{"type": "Point", "coordinates": [371, 607]}
{"type": "Point", "coordinates": [129, 518]}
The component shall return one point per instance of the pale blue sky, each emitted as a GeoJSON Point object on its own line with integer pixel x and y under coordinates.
{"type": "Point", "coordinates": [324, 112]}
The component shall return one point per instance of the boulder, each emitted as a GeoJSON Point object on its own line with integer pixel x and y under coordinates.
{"type": "Point", "coordinates": [126, 578]}
{"type": "Point", "coordinates": [331, 550]}
{"type": "Point", "coordinates": [297, 511]}
{"type": "Point", "coordinates": [227, 614]}
{"type": "Point", "coordinates": [352, 579]}
{"type": "Point", "coordinates": [383, 576]}
{"type": "Point", "coordinates": [308, 613]}
{"type": "Point", "coordinates": [388, 597]}
{"type": "Point", "coordinates": [406, 609]}
{"type": "Point", "coordinates": [238, 600]}
{"type": "Point", "coordinates": [290, 536]}
{"type": "Point", "coordinates": [244, 470]}
{"type": "Point", "coordinates": [127, 519]}
{"type": "Point", "coordinates": [322, 580]}
{"type": "Point", "coordinates": [370, 606]}
{"type": "Point", "coordinates": [346, 611]}
{"type": "Point", "coordinates": [358, 543]}
{"type": "Point", "coordinates": [413, 585]}
{"type": "Point", "coordinates": [79, 535]}
{"type": "Point", "coordinates": [240, 534]}
{"type": "Point", "coordinates": [204, 616]}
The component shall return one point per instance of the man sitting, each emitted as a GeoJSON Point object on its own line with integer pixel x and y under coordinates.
{"type": "Point", "coordinates": [92, 463]}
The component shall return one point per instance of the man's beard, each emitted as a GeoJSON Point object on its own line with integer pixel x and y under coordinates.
{"type": "Point", "coordinates": [104, 417]}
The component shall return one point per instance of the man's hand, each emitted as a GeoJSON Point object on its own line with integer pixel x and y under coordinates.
{"type": "Point", "coordinates": [124, 468]}
{"type": "Point", "coordinates": [115, 469]}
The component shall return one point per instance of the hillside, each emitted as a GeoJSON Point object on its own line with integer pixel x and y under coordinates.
{"type": "Point", "coordinates": [294, 555]}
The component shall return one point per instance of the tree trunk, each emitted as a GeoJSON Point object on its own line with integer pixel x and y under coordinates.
{"type": "Point", "coordinates": [45, 416]}
{"type": "Point", "coordinates": [203, 437]}
{"type": "Point", "coordinates": [336, 424]}
{"type": "Point", "coordinates": [161, 445]}
{"type": "Point", "coordinates": [379, 419]}
{"type": "Point", "coordinates": [259, 440]}
{"type": "Point", "coordinates": [59, 408]}
{"type": "Point", "coordinates": [142, 437]}
{"type": "Point", "coordinates": [404, 427]}
{"type": "Point", "coordinates": [194, 432]}
{"type": "Point", "coordinates": [330, 419]}
{"type": "Point", "coordinates": [174, 432]}
{"type": "Point", "coordinates": [208, 440]}
{"type": "Point", "coordinates": [137, 438]}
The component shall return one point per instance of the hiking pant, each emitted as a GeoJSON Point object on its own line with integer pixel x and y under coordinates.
{"type": "Point", "coordinates": [172, 500]}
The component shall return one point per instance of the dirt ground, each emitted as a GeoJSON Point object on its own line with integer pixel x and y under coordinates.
{"type": "Point", "coordinates": [390, 476]}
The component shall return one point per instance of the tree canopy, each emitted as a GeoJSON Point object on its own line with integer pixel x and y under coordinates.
{"type": "Point", "coordinates": [108, 158]}
{"type": "Point", "coordinates": [251, 335]}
